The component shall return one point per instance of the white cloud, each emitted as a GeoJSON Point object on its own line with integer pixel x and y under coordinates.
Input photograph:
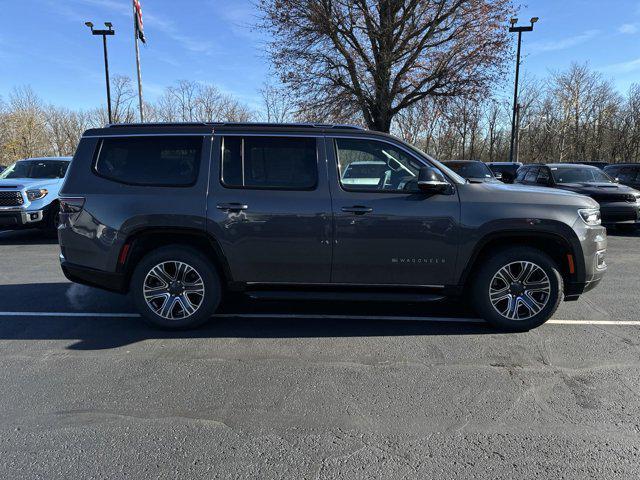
{"type": "Point", "coordinates": [622, 67]}
{"type": "Point", "coordinates": [153, 22]}
{"type": "Point", "coordinates": [629, 28]}
{"type": "Point", "coordinates": [563, 43]}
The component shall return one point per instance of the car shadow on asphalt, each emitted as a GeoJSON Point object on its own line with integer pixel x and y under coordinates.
{"type": "Point", "coordinates": [299, 319]}
{"type": "Point", "coordinates": [31, 236]}
{"type": "Point", "coordinates": [617, 232]}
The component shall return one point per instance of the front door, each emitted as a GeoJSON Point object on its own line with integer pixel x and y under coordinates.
{"type": "Point", "coordinates": [386, 231]}
{"type": "Point", "coordinates": [269, 207]}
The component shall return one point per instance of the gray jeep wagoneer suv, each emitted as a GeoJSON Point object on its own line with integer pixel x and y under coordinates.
{"type": "Point", "coordinates": [181, 214]}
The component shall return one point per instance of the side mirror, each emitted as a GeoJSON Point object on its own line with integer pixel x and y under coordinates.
{"type": "Point", "coordinates": [498, 175]}
{"type": "Point", "coordinates": [432, 181]}
{"type": "Point", "coordinates": [617, 180]}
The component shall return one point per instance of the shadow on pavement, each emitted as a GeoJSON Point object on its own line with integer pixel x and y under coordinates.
{"type": "Point", "coordinates": [95, 333]}
{"type": "Point", "coordinates": [621, 232]}
{"type": "Point", "coordinates": [32, 236]}
{"type": "Point", "coordinates": [105, 333]}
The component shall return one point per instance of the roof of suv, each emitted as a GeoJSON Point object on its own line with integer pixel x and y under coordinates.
{"type": "Point", "coordinates": [205, 128]}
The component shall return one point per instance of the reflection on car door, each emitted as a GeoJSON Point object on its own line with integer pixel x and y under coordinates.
{"type": "Point", "coordinates": [386, 232]}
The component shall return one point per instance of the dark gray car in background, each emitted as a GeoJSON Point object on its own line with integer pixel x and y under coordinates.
{"type": "Point", "coordinates": [472, 170]}
{"type": "Point", "coordinates": [181, 215]}
{"type": "Point", "coordinates": [619, 204]}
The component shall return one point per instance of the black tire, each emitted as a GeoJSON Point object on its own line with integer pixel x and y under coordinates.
{"type": "Point", "coordinates": [486, 273]}
{"type": "Point", "coordinates": [51, 220]}
{"type": "Point", "coordinates": [210, 280]}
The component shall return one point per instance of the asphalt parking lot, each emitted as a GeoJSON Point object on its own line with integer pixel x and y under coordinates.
{"type": "Point", "coordinates": [313, 391]}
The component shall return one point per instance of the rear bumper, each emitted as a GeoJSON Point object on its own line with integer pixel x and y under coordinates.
{"type": "Point", "coordinates": [113, 282]}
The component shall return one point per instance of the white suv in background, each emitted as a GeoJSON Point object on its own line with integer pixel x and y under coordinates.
{"type": "Point", "coordinates": [29, 192]}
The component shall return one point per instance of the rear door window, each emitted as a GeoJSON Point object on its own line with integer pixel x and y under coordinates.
{"type": "Point", "coordinates": [287, 163]}
{"type": "Point", "coordinates": [150, 161]}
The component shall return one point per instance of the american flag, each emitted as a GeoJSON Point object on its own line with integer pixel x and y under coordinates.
{"type": "Point", "coordinates": [138, 17]}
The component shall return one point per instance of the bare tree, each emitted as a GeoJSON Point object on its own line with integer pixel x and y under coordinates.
{"type": "Point", "coordinates": [374, 58]}
{"type": "Point", "coordinates": [277, 103]}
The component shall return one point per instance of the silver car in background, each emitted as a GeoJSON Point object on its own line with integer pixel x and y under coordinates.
{"type": "Point", "coordinates": [29, 192]}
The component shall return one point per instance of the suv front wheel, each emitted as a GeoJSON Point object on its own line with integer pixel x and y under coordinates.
{"type": "Point", "coordinates": [517, 289]}
{"type": "Point", "coordinates": [176, 287]}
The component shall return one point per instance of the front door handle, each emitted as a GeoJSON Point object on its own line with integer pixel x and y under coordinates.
{"type": "Point", "coordinates": [232, 207]}
{"type": "Point", "coordinates": [357, 209]}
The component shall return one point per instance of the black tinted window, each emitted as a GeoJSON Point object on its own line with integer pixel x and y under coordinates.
{"type": "Point", "coordinates": [531, 176]}
{"type": "Point", "coordinates": [36, 169]}
{"type": "Point", "coordinates": [168, 161]}
{"type": "Point", "coordinates": [544, 176]}
{"type": "Point", "coordinates": [521, 174]}
{"type": "Point", "coordinates": [626, 174]}
{"type": "Point", "coordinates": [269, 162]}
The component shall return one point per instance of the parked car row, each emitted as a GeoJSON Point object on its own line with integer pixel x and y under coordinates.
{"type": "Point", "coordinates": [179, 215]}
{"type": "Point", "coordinates": [614, 187]}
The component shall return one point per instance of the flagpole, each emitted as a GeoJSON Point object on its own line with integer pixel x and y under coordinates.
{"type": "Point", "coordinates": [135, 36]}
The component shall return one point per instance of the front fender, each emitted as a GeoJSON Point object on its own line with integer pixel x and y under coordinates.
{"type": "Point", "coordinates": [475, 240]}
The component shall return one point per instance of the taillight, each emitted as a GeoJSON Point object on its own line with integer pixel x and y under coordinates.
{"type": "Point", "coordinates": [71, 205]}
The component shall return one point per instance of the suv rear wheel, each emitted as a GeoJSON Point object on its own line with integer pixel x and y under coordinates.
{"type": "Point", "coordinates": [175, 288]}
{"type": "Point", "coordinates": [518, 289]}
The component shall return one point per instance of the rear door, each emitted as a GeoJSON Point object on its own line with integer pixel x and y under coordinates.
{"type": "Point", "coordinates": [387, 233]}
{"type": "Point", "coordinates": [269, 207]}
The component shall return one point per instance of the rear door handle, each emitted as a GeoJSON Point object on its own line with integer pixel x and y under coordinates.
{"type": "Point", "coordinates": [357, 209]}
{"type": "Point", "coordinates": [232, 207]}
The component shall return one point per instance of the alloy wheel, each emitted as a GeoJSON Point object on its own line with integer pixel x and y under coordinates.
{"type": "Point", "coordinates": [173, 290]}
{"type": "Point", "coordinates": [519, 290]}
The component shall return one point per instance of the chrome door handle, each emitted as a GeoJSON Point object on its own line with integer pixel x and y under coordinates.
{"type": "Point", "coordinates": [232, 207]}
{"type": "Point", "coordinates": [357, 209]}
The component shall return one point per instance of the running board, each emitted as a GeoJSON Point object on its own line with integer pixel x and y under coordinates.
{"type": "Point", "coordinates": [343, 296]}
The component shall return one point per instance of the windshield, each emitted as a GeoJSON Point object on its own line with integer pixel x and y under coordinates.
{"type": "Point", "coordinates": [36, 169]}
{"type": "Point", "coordinates": [470, 169]}
{"type": "Point", "coordinates": [580, 175]}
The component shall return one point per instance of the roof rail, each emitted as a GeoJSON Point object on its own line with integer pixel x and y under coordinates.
{"type": "Point", "coordinates": [289, 125]}
{"type": "Point", "coordinates": [158, 124]}
{"type": "Point", "coordinates": [236, 124]}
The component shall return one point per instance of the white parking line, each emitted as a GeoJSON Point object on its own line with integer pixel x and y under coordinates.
{"type": "Point", "coordinates": [67, 314]}
{"type": "Point", "coordinates": [318, 317]}
{"type": "Point", "coordinates": [595, 322]}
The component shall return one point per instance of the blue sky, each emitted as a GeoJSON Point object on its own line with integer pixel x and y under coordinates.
{"type": "Point", "coordinates": [47, 46]}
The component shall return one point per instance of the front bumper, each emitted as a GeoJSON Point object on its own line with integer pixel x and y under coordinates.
{"type": "Point", "coordinates": [620, 213]}
{"type": "Point", "coordinates": [593, 243]}
{"type": "Point", "coordinates": [20, 218]}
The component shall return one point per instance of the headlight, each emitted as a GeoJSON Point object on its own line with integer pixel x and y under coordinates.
{"type": "Point", "coordinates": [591, 216]}
{"type": "Point", "coordinates": [36, 194]}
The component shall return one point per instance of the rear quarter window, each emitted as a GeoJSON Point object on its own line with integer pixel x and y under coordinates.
{"type": "Point", "coordinates": [150, 161]}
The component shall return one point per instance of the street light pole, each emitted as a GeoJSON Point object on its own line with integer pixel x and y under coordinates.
{"type": "Point", "coordinates": [515, 120]}
{"type": "Point", "coordinates": [104, 34]}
